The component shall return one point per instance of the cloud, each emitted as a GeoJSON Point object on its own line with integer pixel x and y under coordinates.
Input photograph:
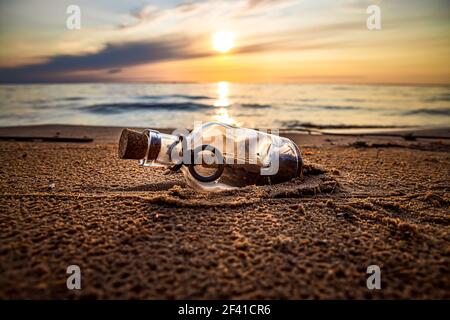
{"type": "Point", "coordinates": [280, 46]}
{"type": "Point", "coordinates": [116, 70]}
{"type": "Point", "coordinates": [150, 13]}
{"type": "Point", "coordinates": [114, 57]}
{"type": "Point", "coordinates": [144, 14]}
{"type": "Point", "coordinates": [189, 6]}
{"type": "Point", "coordinates": [258, 3]}
{"type": "Point", "coordinates": [202, 9]}
{"type": "Point", "coordinates": [111, 57]}
{"type": "Point", "coordinates": [309, 38]}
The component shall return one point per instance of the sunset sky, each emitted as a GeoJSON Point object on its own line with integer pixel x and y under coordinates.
{"type": "Point", "coordinates": [278, 41]}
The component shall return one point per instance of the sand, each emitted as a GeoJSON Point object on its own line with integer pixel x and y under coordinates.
{"type": "Point", "coordinates": [139, 233]}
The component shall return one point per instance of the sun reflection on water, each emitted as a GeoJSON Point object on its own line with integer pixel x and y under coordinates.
{"type": "Point", "coordinates": [223, 91]}
{"type": "Point", "coordinates": [223, 115]}
{"type": "Point", "coordinates": [223, 103]}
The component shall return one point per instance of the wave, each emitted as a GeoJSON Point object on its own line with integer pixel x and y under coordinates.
{"type": "Point", "coordinates": [435, 112]}
{"type": "Point", "coordinates": [342, 88]}
{"type": "Point", "coordinates": [329, 107]}
{"type": "Point", "coordinates": [439, 98]}
{"type": "Point", "coordinates": [307, 99]}
{"type": "Point", "coordinates": [255, 106]}
{"type": "Point", "coordinates": [355, 100]}
{"type": "Point", "coordinates": [293, 124]}
{"type": "Point", "coordinates": [112, 108]}
{"type": "Point", "coordinates": [73, 99]}
{"type": "Point", "coordinates": [179, 96]}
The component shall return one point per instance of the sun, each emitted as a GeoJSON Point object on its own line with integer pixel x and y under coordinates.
{"type": "Point", "coordinates": [223, 41]}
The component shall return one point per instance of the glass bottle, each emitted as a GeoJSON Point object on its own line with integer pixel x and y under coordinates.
{"type": "Point", "coordinates": [216, 156]}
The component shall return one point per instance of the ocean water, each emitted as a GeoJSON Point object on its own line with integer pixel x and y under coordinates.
{"type": "Point", "coordinates": [249, 105]}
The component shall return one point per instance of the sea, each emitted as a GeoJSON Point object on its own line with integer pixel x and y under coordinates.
{"type": "Point", "coordinates": [181, 105]}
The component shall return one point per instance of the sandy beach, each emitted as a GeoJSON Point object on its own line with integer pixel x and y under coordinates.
{"type": "Point", "coordinates": [139, 233]}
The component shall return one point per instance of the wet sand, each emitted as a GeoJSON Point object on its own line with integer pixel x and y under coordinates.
{"type": "Point", "coordinates": [139, 233]}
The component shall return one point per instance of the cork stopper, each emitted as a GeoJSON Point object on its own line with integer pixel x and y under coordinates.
{"type": "Point", "coordinates": [132, 145]}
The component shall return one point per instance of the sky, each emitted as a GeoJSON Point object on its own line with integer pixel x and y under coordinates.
{"type": "Point", "coordinates": [275, 41]}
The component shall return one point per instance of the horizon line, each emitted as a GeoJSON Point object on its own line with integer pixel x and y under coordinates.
{"type": "Point", "coordinates": [405, 84]}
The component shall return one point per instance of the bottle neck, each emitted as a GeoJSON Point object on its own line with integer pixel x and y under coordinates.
{"type": "Point", "coordinates": [163, 149]}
